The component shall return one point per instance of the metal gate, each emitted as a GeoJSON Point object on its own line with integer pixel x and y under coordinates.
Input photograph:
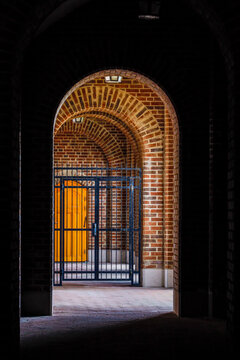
{"type": "Point", "coordinates": [97, 231]}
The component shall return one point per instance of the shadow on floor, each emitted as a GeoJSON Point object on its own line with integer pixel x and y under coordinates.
{"type": "Point", "coordinates": [110, 336]}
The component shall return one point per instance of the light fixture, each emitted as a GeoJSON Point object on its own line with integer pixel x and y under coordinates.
{"type": "Point", "coordinates": [149, 9]}
{"type": "Point", "coordinates": [78, 120]}
{"type": "Point", "coordinates": [113, 79]}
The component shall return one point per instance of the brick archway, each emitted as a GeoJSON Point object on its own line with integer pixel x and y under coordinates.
{"type": "Point", "coordinates": [99, 134]}
{"type": "Point", "coordinates": [141, 110]}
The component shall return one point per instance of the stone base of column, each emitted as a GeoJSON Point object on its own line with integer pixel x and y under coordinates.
{"type": "Point", "coordinates": [157, 278]}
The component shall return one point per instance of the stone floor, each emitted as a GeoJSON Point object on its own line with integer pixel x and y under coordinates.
{"type": "Point", "coordinates": [118, 322]}
{"type": "Point", "coordinates": [74, 299]}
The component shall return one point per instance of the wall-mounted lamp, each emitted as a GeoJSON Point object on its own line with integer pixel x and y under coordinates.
{"type": "Point", "coordinates": [78, 120]}
{"type": "Point", "coordinates": [149, 9]}
{"type": "Point", "coordinates": [113, 79]}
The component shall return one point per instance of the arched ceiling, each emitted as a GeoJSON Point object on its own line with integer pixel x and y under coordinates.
{"type": "Point", "coordinates": [100, 134]}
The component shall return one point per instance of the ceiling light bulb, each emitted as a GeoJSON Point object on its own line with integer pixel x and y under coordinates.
{"type": "Point", "coordinates": [78, 120]}
{"type": "Point", "coordinates": [113, 79]}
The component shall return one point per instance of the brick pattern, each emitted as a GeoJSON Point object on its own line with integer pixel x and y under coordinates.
{"type": "Point", "coordinates": [135, 109]}
{"type": "Point", "coordinates": [109, 139]}
{"type": "Point", "coordinates": [72, 150]}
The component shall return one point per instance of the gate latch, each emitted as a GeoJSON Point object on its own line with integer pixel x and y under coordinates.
{"type": "Point", "coordinates": [94, 229]}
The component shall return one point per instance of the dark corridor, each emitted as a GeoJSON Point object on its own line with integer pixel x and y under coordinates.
{"type": "Point", "coordinates": [190, 49]}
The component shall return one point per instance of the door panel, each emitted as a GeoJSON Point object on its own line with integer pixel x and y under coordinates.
{"type": "Point", "coordinates": [75, 221]}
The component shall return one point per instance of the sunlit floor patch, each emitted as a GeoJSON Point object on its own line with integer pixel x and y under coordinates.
{"type": "Point", "coordinates": [73, 299]}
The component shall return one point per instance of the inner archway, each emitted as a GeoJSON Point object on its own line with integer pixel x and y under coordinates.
{"type": "Point", "coordinates": [132, 124]}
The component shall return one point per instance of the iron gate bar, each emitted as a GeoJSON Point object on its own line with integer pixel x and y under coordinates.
{"type": "Point", "coordinates": [99, 229]}
{"type": "Point", "coordinates": [92, 178]}
{"type": "Point", "coordinates": [139, 231]}
{"type": "Point", "coordinates": [129, 182]}
{"type": "Point", "coordinates": [131, 231]}
{"type": "Point", "coordinates": [111, 225]}
{"type": "Point", "coordinates": [97, 169]}
{"type": "Point", "coordinates": [126, 211]}
{"type": "Point", "coordinates": [121, 222]}
{"type": "Point", "coordinates": [116, 224]}
{"type": "Point", "coordinates": [93, 272]}
{"type": "Point", "coordinates": [103, 187]}
{"type": "Point", "coordinates": [61, 231]}
{"type": "Point", "coordinates": [71, 221]}
{"type": "Point", "coordinates": [77, 234]}
{"type": "Point", "coordinates": [91, 222]}
{"type": "Point", "coordinates": [100, 225]}
{"type": "Point", "coordinates": [96, 226]}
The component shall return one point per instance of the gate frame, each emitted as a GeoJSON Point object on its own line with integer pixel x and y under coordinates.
{"type": "Point", "coordinates": [95, 229]}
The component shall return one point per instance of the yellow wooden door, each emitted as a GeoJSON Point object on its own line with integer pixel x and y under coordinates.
{"type": "Point", "coordinates": [75, 217]}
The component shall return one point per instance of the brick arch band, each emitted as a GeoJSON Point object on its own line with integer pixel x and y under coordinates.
{"type": "Point", "coordinates": [102, 136]}
{"type": "Point", "coordinates": [142, 111]}
{"type": "Point", "coordinates": [93, 126]}
{"type": "Point", "coordinates": [128, 74]}
{"type": "Point", "coordinates": [119, 105]}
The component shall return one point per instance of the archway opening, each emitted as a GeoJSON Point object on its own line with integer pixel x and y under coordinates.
{"type": "Point", "coordinates": [125, 134]}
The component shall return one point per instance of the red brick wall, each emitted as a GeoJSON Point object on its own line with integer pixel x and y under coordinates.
{"type": "Point", "coordinates": [111, 141]}
{"type": "Point", "coordinates": [73, 150]}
